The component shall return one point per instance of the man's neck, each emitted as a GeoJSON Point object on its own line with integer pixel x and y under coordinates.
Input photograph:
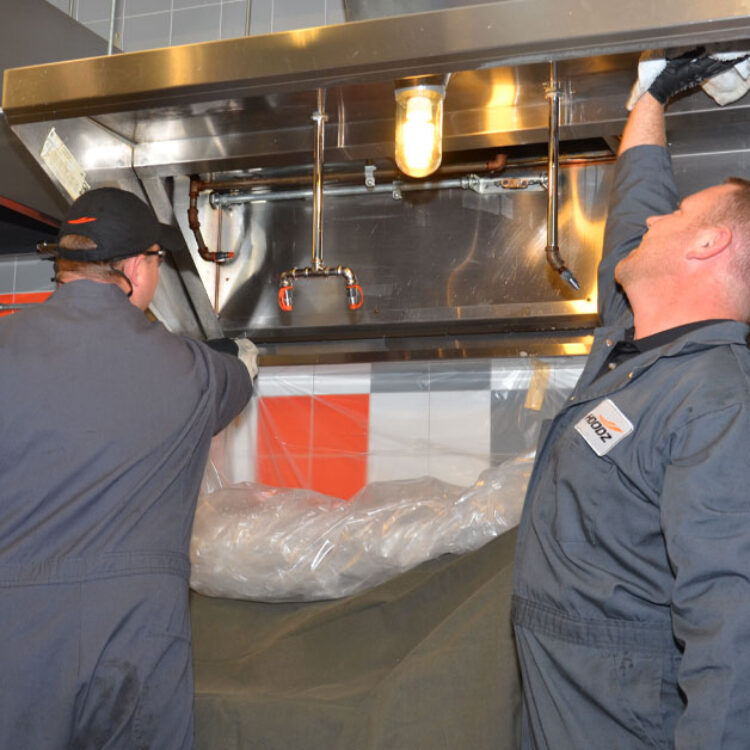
{"type": "Point", "coordinates": [660, 306]}
{"type": "Point", "coordinates": [653, 320]}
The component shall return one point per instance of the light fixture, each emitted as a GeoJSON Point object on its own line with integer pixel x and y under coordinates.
{"type": "Point", "coordinates": [419, 124]}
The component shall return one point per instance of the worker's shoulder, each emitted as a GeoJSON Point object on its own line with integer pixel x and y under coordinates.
{"type": "Point", "coordinates": [717, 376]}
{"type": "Point", "coordinates": [193, 351]}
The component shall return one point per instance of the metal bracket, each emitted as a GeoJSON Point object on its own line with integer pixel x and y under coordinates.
{"type": "Point", "coordinates": [496, 185]}
{"type": "Point", "coordinates": [370, 176]}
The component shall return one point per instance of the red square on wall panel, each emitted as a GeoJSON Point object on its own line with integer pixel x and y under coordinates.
{"type": "Point", "coordinates": [22, 298]}
{"type": "Point", "coordinates": [284, 449]}
{"type": "Point", "coordinates": [340, 440]}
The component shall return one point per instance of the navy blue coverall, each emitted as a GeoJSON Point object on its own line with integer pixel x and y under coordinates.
{"type": "Point", "coordinates": [106, 420]}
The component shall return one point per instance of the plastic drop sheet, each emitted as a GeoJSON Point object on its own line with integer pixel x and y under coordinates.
{"type": "Point", "coordinates": [338, 478]}
{"type": "Point", "coordinates": [269, 544]}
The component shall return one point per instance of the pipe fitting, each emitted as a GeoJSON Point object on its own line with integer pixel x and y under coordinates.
{"type": "Point", "coordinates": [354, 294]}
{"type": "Point", "coordinates": [196, 187]}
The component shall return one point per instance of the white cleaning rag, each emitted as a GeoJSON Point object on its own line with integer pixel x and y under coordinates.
{"type": "Point", "coordinates": [725, 88]}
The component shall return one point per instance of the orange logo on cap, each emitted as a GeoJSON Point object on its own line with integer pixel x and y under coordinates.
{"type": "Point", "coordinates": [82, 220]}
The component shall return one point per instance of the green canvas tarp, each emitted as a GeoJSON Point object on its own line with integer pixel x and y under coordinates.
{"type": "Point", "coordinates": [425, 661]}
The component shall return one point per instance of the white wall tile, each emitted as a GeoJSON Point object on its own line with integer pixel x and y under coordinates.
{"type": "Point", "coordinates": [382, 468]}
{"type": "Point", "coordinates": [261, 17]}
{"type": "Point", "coordinates": [333, 379]}
{"type": "Point", "coordinates": [297, 14]}
{"type": "Point", "coordinates": [459, 435]}
{"type": "Point", "coordinates": [457, 468]}
{"type": "Point", "coordinates": [285, 381]}
{"type": "Point", "coordinates": [200, 24]}
{"type": "Point", "coordinates": [182, 4]}
{"type": "Point", "coordinates": [233, 18]}
{"type": "Point", "coordinates": [399, 436]}
{"type": "Point", "coordinates": [96, 10]}
{"type": "Point", "coordinates": [147, 32]}
{"type": "Point", "coordinates": [139, 7]}
{"type": "Point", "coordinates": [198, 20]}
{"type": "Point", "coordinates": [513, 374]}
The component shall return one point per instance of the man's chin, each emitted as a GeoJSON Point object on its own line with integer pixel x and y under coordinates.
{"type": "Point", "coordinates": [620, 271]}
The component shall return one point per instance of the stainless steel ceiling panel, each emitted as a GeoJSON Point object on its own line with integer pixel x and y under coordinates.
{"type": "Point", "coordinates": [497, 34]}
{"type": "Point", "coordinates": [492, 108]}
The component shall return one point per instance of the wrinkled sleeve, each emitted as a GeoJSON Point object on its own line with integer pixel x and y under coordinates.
{"type": "Point", "coordinates": [233, 385]}
{"type": "Point", "coordinates": [643, 186]}
{"type": "Point", "coordinates": [706, 523]}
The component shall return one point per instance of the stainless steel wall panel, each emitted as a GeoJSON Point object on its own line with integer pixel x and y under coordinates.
{"type": "Point", "coordinates": [434, 262]}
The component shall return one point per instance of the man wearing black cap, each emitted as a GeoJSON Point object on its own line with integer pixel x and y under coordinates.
{"type": "Point", "coordinates": [105, 424]}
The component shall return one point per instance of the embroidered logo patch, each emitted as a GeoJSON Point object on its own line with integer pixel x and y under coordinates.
{"type": "Point", "coordinates": [604, 427]}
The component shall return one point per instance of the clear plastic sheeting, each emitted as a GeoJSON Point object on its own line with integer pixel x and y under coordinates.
{"type": "Point", "coordinates": [339, 477]}
{"type": "Point", "coordinates": [252, 541]}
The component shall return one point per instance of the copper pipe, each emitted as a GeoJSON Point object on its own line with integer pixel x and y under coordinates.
{"type": "Point", "coordinates": [196, 187]}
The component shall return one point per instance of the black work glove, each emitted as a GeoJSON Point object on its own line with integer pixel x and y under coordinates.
{"type": "Point", "coordinates": [242, 348]}
{"type": "Point", "coordinates": [225, 346]}
{"type": "Point", "coordinates": [687, 71]}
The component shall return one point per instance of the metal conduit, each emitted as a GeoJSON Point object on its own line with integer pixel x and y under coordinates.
{"type": "Point", "coordinates": [280, 177]}
{"type": "Point", "coordinates": [395, 188]}
{"type": "Point", "coordinates": [552, 250]}
{"type": "Point", "coordinates": [342, 190]}
{"type": "Point", "coordinates": [111, 40]}
{"type": "Point", "coordinates": [225, 192]}
{"type": "Point", "coordinates": [319, 118]}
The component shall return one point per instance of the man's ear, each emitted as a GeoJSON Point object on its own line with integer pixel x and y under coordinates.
{"type": "Point", "coordinates": [709, 241]}
{"type": "Point", "coordinates": [130, 267]}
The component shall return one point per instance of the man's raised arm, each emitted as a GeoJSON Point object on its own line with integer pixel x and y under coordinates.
{"type": "Point", "coordinates": [645, 125]}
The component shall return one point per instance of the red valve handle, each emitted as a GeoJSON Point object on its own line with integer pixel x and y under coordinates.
{"type": "Point", "coordinates": [359, 297]}
{"type": "Point", "coordinates": [285, 298]}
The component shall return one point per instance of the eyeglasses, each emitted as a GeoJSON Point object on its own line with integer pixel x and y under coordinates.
{"type": "Point", "coordinates": [160, 254]}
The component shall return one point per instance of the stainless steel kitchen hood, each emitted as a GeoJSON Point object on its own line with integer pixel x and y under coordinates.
{"type": "Point", "coordinates": [459, 261]}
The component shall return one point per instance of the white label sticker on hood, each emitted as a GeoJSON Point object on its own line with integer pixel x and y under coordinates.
{"type": "Point", "coordinates": [604, 427]}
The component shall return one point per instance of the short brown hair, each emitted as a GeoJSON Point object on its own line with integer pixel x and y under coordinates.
{"type": "Point", "coordinates": [98, 270]}
{"type": "Point", "coordinates": [734, 211]}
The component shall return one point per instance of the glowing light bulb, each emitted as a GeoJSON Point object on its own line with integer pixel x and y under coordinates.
{"type": "Point", "coordinates": [419, 129]}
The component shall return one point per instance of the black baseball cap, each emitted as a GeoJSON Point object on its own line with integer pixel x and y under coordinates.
{"type": "Point", "coordinates": [120, 224]}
